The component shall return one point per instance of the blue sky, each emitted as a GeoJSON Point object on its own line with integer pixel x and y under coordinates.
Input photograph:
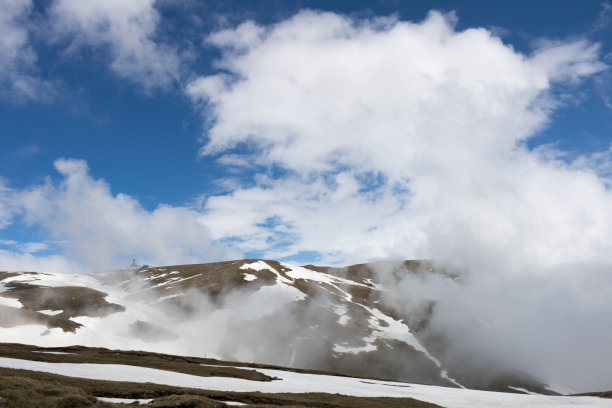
{"type": "Point", "coordinates": [181, 141]}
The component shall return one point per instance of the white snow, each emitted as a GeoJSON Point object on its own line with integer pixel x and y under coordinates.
{"type": "Point", "coordinates": [175, 279]}
{"type": "Point", "coordinates": [300, 383]}
{"type": "Point", "coordinates": [233, 403]}
{"type": "Point", "coordinates": [257, 266]}
{"type": "Point", "coordinates": [397, 330]}
{"type": "Point", "coordinates": [161, 299]}
{"type": "Point", "coordinates": [392, 329]}
{"type": "Point", "coordinates": [343, 320]}
{"type": "Point", "coordinates": [341, 311]}
{"type": "Point", "coordinates": [52, 352]}
{"type": "Point", "coordinates": [339, 348]}
{"type": "Point", "coordinates": [261, 265]}
{"type": "Point", "coordinates": [373, 284]}
{"type": "Point", "coordinates": [50, 312]}
{"type": "Point", "coordinates": [161, 275]}
{"type": "Point", "coordinates": [523, 390]}
{"type": "Point", "coordinates": [249, 277]}
{"type": "Point", "coordinates": [5, 301]}
{"type": "Point", "coordinates": [299, 272]}
{"type": "Point", "coordinates": [124, 400]}
{"type": "Point", "coordinates": [55, 279]}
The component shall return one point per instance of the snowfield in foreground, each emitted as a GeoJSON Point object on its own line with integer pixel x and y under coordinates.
{"type": "Point", "coordinates": [291, 382]}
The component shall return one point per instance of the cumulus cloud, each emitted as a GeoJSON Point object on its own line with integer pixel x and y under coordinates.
{"type": "Point", "coordinates": [398, 138]}
{"type": "Point", "coordinates": [19, 80]}
{"type": "Point", "coordinates": [127, 29]}
{"type": "Point", "coordinates": [409, 140]}
{"type": "Point", "coordinates": [16, 261]}
{"type": "Point", "coordinates": [100, 230]}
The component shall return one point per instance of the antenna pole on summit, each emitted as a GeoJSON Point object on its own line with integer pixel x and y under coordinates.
{"type": "Point", "coordinates": [133, 261]}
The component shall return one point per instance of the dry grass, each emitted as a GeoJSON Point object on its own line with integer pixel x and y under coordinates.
{"type": "Point", "coordinates": [73, 300]}
{"type": "Point", "coordinates": [80, 354]}
{"type": "Point", "coordinates": [24, 392]}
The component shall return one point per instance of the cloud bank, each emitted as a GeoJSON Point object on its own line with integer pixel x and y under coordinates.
{"type": "Point", "coordinates": [98, 230]}
{"type": "Point", "coordinates": [398, 139]}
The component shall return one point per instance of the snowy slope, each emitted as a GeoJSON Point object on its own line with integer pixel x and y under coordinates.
{"type": "Point", "coordinates": [290, 382]}
{"type": "Point", "coordinates": [250, 310]}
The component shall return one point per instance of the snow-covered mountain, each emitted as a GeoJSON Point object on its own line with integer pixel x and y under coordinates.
{"type": "Point", "coordinates": [333, 319]}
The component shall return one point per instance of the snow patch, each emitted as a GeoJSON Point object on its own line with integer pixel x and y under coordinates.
{"type": "Point", "coordinates": [523, 390]}
{"type": "Point", "coordinates": [249, 277]}
{"type": "Point", "coordinates": [124, 400]}
{"type": "Point", "coordinates": [59, 353]}
{"type": "Point", "coordinates": [371, 283]}
{"type": "Point", "coordinates": [257, 266]}
{"type": "Point", "coordinates": [341, 310]}
{"type": "Point", "coordinates": [397, 330]}
{"type": "Point", "coordinates": [299, 272]}
{"type": "Point", "coordinates": [339, 348]}
{"type": "Point", "coordinates": [261, 265]}
{"type": "Point", "coordinates": [161, 299]}
{"type": "Point", "coordinates": [10, 302]}
{"type": "Point", "coordinates": [55, 279]}
{"type": "Point", "coordinates": [291, 382]}
{"type": "Point", "coordinates": [50, 312]}
{"type": "Point", "coordinates": [175, 279]}
{"type": "Point", "coordinates": [343, 320]}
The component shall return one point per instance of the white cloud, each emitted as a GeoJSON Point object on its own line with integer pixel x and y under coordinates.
{"type": "Point", "coordinates": [289, 216]}
{"type": "Point", "coordinates": [404, 140]}
{"type": "Point", "coordinates": [7, 208]}
{"type": "Point", "coordinates": [13, 261]}
{"type": "Point", "coordinates": [605, 17]}
{"type": "Point", "coordinates": [432, 119]}
{"type": "Point", "coordinates": [100, 230]}
{"type": "Point", "coordinates": [25, 247]}
{"type": "Point", "coordinates": [19, 81]}
{"type": "Point", "coordinates": [128, 29]}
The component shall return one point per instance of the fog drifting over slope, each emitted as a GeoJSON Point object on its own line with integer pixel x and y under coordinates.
{"type": "Point", "coordinates": [554, 325]}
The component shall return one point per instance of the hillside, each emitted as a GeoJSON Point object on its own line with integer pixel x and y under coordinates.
{"type": "Point", "coordinates": [318, 318]}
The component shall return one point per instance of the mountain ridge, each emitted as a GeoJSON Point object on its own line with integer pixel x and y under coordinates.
{"type": "Point", "coordinates": [312, 317]}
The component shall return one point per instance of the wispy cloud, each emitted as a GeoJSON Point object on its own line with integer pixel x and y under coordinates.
{"type": "Point", "coordinates": [23, 153]}
{"type": "Point", "coordinates": [19, 78]}
{"type": "Point", "coordinates": [25, 247]}
{"type": "Point", "coordinates": [605, 17]}
{"type": "Point", "coordinates": [127, 29]}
